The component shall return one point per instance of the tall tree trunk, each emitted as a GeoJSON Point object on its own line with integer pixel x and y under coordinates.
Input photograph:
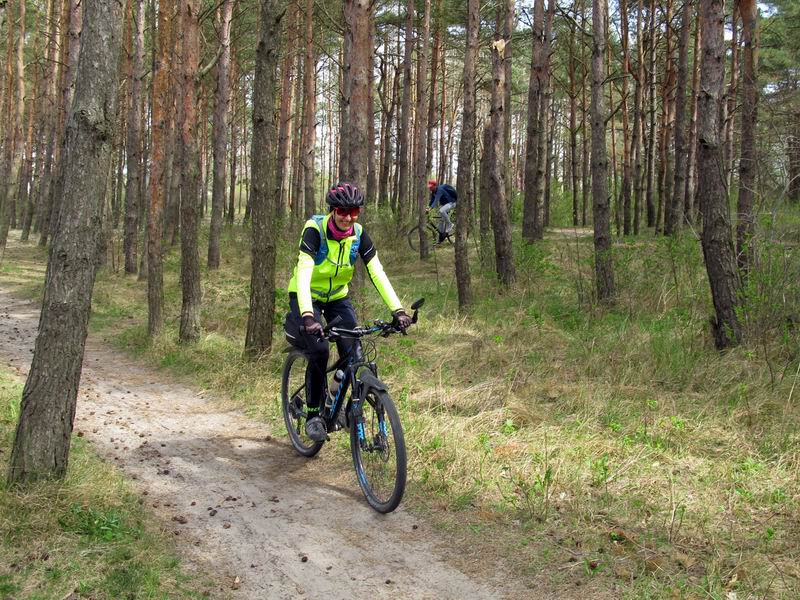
{"type": "Point", "coordinates": [134, 144]}
{"type": "Point", "coordinates": [627, 151]}
{"type": "Point", "coordinates": [260, 320]}
{"type": "Point", "coordinates": [585, 173]}
{"type": "Point", "coordinates": [675, 211]}
{"type": "Point", "coordinates": [466, 149]}
{"type": "Point", "coordinates": [716, 237]}
{"type": "Point", "coordinates": [358, 20]}
{"type": "Point", "coordinates": [388, 147]}
{"type": "Point", "coordinates": [421, 129]}
{"type": "Point", "coordinates": [530, 210]}
{"type": "Point", "coordinates": [638, 121]}
{"type": "Point", "coordinates": [158, 177]}
{"type": "Point", "coordinates": [573, 124]}
{"type": "Point", "coordinates": [220, 133]}
{"type": "Point", "coordinates": [603, 266]}
{"type": "Point", "coordinates": [729, 105]}
{"type": "Point", "coordinates": [372, 175]}
{"type": "Point", "coordinates": [309, 111]}
{"type": "Point", "coordinates": [187, 135]}
{"type": "Point", "coordinates": [500, 222]}
{"type": "Point", "coordinates": [42, 441]}
{"type": "Point", "coordinates": [508, 30]}
{"type": "Point", "coordinates": [749, 160]}
{"type": "Point", "coordinates": [235, 150]}
{"type": "Point", "coordinates": [68, 55]}
{"type": "Point", "coordinates": [405, 116]}
{"type": "Point", "coordinates": [285, 128]}
{"type": "Point", "coordinates": [651, 136]}
{"type": "Point", "coordinates": [15, 147]}
{"type": "Point", "coordinates": [42, 224]}
{"type": "Point", "coordinates": [689, 208]}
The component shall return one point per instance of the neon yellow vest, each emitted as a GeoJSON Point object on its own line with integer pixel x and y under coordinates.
{"type": "Point", "coordinates": [330, 277]}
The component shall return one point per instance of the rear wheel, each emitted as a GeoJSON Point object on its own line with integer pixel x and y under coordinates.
{"type": "Point", "coordinates": [379, 451]}
{"type": "Point", "coordinates": [413, 236]}
{"type": "Point", "coordinates": [293, 402]}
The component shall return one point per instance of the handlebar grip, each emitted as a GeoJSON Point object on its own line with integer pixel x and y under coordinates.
{"type": "Point", "coordinates": [335, 320]}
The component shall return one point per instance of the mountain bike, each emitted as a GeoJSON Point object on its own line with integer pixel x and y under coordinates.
{"type": "Point", "coordinates": [361, 405]}
{"type": "Point", "coordinates": [434, 218]}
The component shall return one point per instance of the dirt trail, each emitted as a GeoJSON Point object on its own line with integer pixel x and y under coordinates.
{"type": "Point", "coordinates": [276, 523]}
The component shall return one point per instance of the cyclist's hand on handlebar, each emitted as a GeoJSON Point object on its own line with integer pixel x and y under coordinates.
{"type": "Point", "coordinates": [401, 320]}
{"type": "Point", "coordinates": [313, 327]}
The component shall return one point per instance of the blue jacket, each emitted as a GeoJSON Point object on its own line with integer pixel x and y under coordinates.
{"type": "Point", "coordinates": [443, 194]}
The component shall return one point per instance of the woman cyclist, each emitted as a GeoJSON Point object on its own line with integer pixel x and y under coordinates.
{"type": "Point", "coordinates": [329, 248]}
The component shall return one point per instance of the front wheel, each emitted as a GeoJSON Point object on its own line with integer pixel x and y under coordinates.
{"type": "Point", "coordinates": [293, 402]}
{"type": "Point", "coordinates": [379, 451]}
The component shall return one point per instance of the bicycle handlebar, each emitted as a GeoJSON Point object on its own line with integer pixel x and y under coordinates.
{"type": "Point", "coordinates": [331, 332]}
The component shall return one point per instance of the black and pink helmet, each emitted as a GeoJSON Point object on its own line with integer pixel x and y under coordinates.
{"type": "Point", "coordinates": [345, 195]}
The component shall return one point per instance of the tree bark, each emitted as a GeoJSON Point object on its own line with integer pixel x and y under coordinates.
{"type": "Point", "coordinates": [285, 128]}
{"type": "Point", "coordinates": [405, 116]}
{"type": "Point", "coordinates": [675, 211]}
{"type": "Point", "coordinates": [466, 149]}
{"type": "Point", "coordinates": [603, 266]}
{"type": "Point", "coordinates": [651, 136]}
{"type": "Point", "coordinates": [530, 211]}
{"type": "Point", "coordinates": [14, 146]}
{"type": "Point", "coordinates": [260, 320]}
{"type": "Point", "coordinates": [500, 221]}
{"type": "Point", "coordinates": [421, 129]}
{"type": "Point", "coordinates": [716, 236]}
{"type": "Point", "coordinates": [689, 208]}
{"type": "Point", "coordinates": [748, 164]}
{"type": "Point", "coordinates": [134, 144]}
{"type": "Point", "coordinates": [41, 445]}
{"type": "Point", "coordinates": [187, 136]}
{"type": "Point", "coordinates": [309, 111]}
{"type": "Point", "coordinates": [158, 174]}
{"type": "Point", "coordinates": [220, 133]}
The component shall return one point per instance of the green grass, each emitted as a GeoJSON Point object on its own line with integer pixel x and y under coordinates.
{"type": "Point", "coordinates": [612, 447]}
{"type": "Point", "coordinates": [86, 535]}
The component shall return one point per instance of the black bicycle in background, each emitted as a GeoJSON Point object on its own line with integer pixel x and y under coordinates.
{"type": "Point", "coordinates": [433, 220]}
{"type": "Point", "coordinates": [362, 405]}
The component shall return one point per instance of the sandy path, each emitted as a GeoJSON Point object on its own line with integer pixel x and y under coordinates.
{"type": "Point", "coordinates": [274, 523]}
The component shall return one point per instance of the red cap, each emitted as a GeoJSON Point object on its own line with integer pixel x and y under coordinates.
{"type": "Point", "coordinates": [432, 184]}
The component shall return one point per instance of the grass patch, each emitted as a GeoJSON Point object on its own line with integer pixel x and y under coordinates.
{"type": "Point", "coordinates": [612, 447]}
{"type": "Point", "coordinates": [86, 535]}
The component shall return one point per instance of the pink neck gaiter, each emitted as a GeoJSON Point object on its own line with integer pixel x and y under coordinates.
{"type": "Point", "coordinates": [337, 233]}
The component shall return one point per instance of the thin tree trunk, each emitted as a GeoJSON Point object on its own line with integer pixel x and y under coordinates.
{"type": "Point", "coordinates": [134, 155]}
{"type": "Point", "coordinates": [603, 266]}
{"type": "Point", "coordinates": [186, 134]}
{"type": "Point", "coordinates": [748, 164]}
{"type": "Point", "coordinates": [729, 105]}
{"type": "Point", "coordinates": [309, 111]}
{"type": "Point", "coordinates": [500, 222]}
{"type": "Point", "coordinates": [285, 128]}
{"type": "Point", "coordinates": [15, 147]}
{"type": "Point", "coordinates": [530, 210]}
{"type": "Point", "coordinates": [689, 208]}
{"type": "Point", "coordinates": [651, 136]}
{"type": "Point", "coordinates": [260, 320]}
{"type": "Point", "coordinates": [421, 129]}
{"type": "Point", "coordinates": [627, 153]}
{"type": "Point", "coordinates": [716, 237]}
{"type": "Point", "coordinates": [675, 211]}
{"type": "Point", "coordinates": [466, 149]}
{"type": "Point", "coordinates": [405, 116]}
{"type": "Point", "coordinates": [508, 30]}
{"type": "Point", "coordinates": [158, 177]}
{"type": "Point", "coordinates": [220, 134]}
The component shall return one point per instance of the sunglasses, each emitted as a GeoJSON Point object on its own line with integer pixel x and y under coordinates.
{"type": "Point", "coordinates": [353, 212]}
